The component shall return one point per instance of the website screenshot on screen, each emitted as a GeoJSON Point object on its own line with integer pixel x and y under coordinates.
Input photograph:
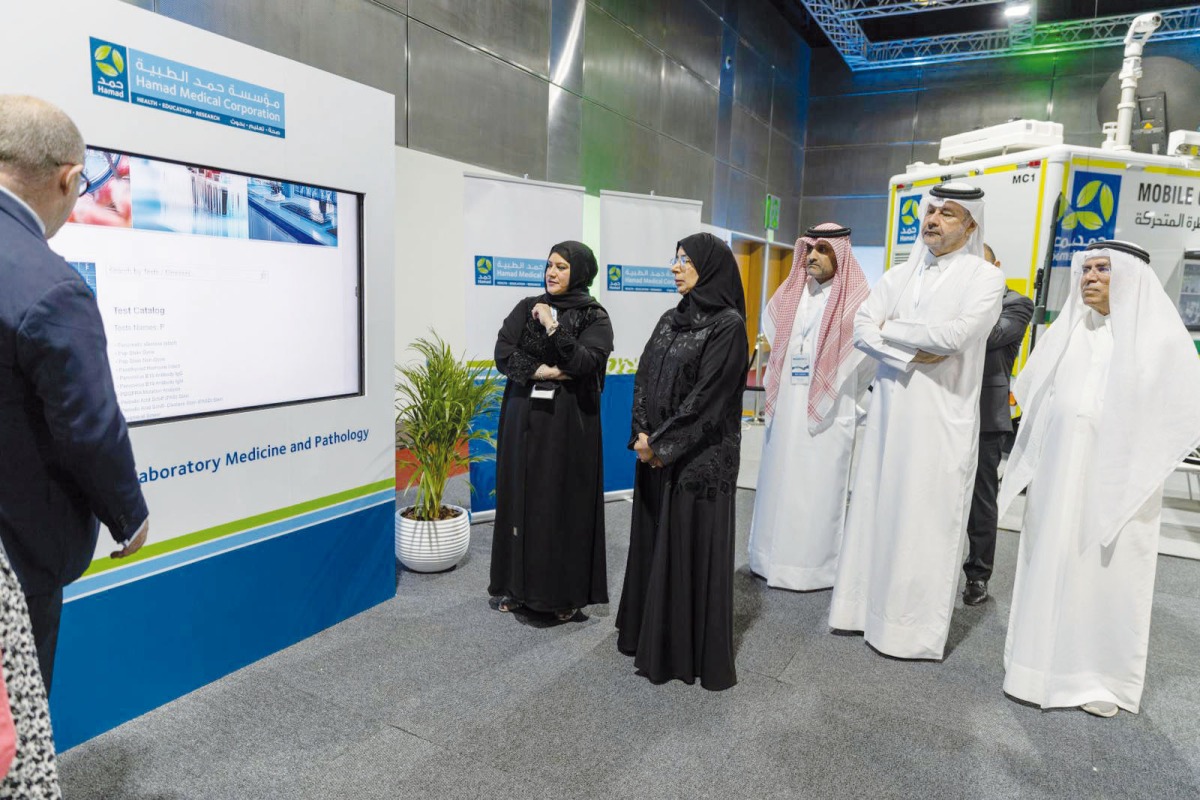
{"type": "Point", "coordinates": [218, 291]}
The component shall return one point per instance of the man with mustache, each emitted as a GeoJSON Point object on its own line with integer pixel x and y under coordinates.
{"type": "Point", "coordinates": [814, 381]}
{"type": "Point", "coordinates": [1109, 397]}
{"type": "Point", "coordinates": [926, 323]}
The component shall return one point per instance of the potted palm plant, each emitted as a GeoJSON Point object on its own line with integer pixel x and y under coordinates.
{"type": "Point", "coordinates": [436, 400]}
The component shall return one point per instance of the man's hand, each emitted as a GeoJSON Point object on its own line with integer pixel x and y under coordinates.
{"type": "Point", "coordinates": [135, 543]}
{"type": "Point", "coordinates": [923, 357]}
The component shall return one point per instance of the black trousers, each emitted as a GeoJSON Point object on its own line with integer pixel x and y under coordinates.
{"type": "Point", "coordinates": [45, 611]}
{"type": "Point", "coordinates": [981, 524]}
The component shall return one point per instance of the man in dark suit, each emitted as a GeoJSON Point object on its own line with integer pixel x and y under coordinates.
{"type": "Point", "coordinates": [65, 458]}
{"type": "Point", "coordinates": [1003, 345]}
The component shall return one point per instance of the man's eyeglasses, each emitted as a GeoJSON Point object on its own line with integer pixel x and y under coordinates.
{"type": "Point", "coordinates": [85, 185]}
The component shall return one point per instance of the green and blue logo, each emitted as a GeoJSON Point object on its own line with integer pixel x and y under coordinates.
{"type": "Point", "coordinates": [483, 271]}
{"type": "Point", "coordinates": [632, 278]}
{"type": "Point", "coordinates": [110, 69]}
{"type": "Point", "coordinates": [1088, 214]}
{"type": "Point", "coordinates": [614, 277]}
{"type": "Point", "coordinates": [908, 223]}
{"type": "Point", "coordinates": [1092, 212]}
{"type": "Point", "coordinates": [150, 81]}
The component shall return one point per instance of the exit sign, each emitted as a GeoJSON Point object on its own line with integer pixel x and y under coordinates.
{"type": "Point", "coordinates": [771, 213]}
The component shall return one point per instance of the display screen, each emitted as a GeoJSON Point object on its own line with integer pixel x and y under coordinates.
{"type": "Point", "coordinates": [219, 291]}
{"type": "Point", "coordinates": [1189, 292]}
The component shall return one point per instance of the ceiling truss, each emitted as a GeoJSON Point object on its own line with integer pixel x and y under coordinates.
{"type": "Point", "coordinates": [839, 19]}
{"type": "Point", "coordinates": [873, 9]}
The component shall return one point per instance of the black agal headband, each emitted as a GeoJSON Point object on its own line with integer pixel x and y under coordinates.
{"type": "Point", "coordinates": [826, 233]}
{"type": "Point", "coordinates": [1129, 248]}
{"type": "Point", "coordinates": [961, 191]}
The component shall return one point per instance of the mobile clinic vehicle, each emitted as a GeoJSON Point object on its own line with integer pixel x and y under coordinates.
{"type": "Point", "coordinates": [1047, 201]}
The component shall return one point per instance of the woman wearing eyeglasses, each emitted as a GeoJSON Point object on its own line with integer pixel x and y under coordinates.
{"type": "Point", "coordinates": [548, 542]}
{"type": "Point", "coordinates": [676, 615]}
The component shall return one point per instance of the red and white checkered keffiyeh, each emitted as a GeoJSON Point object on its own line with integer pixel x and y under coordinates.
{"type": "Point", "coordinates": [835, 337]}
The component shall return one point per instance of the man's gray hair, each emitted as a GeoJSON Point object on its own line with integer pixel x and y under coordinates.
{"type": "Point", "coordinates": [36, 137]}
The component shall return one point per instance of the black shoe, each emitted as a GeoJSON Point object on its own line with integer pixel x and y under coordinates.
{"type": "Point", "coordinates": [975, 593]}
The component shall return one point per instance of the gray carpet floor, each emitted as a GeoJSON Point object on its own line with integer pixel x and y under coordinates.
{"type": "Point", "coordinates": [434, 694]}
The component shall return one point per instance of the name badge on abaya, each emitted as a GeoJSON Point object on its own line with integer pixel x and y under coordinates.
{"type": "Point", "coordinates": [543, 390]}
{"type": "Point", "coordinates": [801, 369]}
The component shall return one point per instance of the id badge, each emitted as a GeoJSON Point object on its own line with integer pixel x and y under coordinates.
{"type": "Point", "coordinates": [543, 390]}
{"type": "Point", "coordinates": [801, 370]}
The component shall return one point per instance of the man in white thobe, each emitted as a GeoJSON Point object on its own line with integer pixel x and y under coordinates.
{"type": "Point", "coordinates": [1110, 401]}
{"type": "Point", "coordinates": [813, 383]}
{"type": "Point", "coordinates": [926, 322]}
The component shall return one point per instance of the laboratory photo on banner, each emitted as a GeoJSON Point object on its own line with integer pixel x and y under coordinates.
{"type": "Point", "coordinates": [187, 199]}
{"type": "Point", "coordinates": [292, 212]}
{"type": "Point", "coordinates": [108, 200]}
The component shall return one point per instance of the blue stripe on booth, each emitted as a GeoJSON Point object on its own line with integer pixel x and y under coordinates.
{"type": "Point", "coordinates": [616, 411]}
{"type": "Point", "coordinates": [129, 649]}
{"type": "Point", "coordinates": [483, 473]}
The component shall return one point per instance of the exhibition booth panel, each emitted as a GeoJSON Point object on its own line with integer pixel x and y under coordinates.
{"type": "Point", "coordinates": [238, 237]}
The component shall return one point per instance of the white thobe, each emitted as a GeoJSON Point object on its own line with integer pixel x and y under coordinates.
{"type": "Point", "coordinates": [905, 529]}
{"type": "Point", "coordinates": [1080, 621]}
{"type": "Point", "coordinates": [803, 478]}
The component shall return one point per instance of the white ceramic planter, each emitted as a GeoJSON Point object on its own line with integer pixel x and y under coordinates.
{"type": "Point", "coordinates": [432, 546]}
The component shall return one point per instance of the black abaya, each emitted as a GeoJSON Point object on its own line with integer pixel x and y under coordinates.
{"type": "Point", "coordinates": [548, 541]}
{"type": "Point", "coordinates": [676, 614]}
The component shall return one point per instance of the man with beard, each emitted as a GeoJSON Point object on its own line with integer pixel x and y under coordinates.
{"type": "Point", "coordinates": [926, 322]}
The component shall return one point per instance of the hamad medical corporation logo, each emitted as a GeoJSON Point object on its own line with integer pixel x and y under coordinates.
{"type": "Point", "coordinates": [110, 77]}
{"type": "Point", "coordinates": [1092, 212]}
{"type": "Point", "coordinates": [483, 271]}
{"type": "Point", "coordinates": [909, 222]}
{"type": "Point", "coordinates": [614, 277]}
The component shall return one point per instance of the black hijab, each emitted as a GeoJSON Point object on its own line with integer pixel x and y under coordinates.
{"type": "Point", "coordinates": [719, 287]}
{"type": "Point", "coordinates": [583, 272]}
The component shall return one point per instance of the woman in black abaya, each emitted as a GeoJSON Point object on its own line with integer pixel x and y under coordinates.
{"type": "Point", "coordinates": [548, 541]}
{"type": "Point", "coordinates": [676, 615]}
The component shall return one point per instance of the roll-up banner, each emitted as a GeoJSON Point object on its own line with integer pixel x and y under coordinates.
{"type": "Point", "coordinates": [510, 226]}
{"type": "Point", "coordinates": [637, 242]}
